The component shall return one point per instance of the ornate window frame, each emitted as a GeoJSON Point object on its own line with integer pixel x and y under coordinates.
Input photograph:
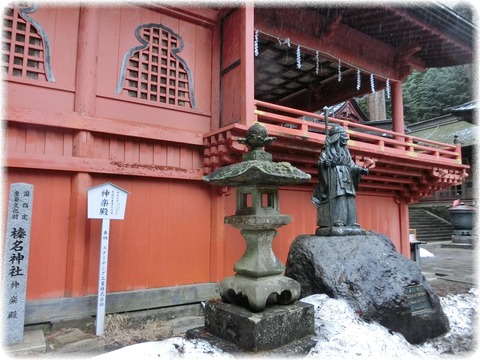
{"type": "Point", "coordinates": [156, 74]}
{"type": "Point", "coordinates": [21, 50]}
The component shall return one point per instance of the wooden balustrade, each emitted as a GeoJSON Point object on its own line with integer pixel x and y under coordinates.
{"type": "Point", "coordinates": [406, 166]}
{"type": "Point", "coordinates": [362, 137]}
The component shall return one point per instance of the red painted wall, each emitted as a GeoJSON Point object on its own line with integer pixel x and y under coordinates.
{"type": "Point", "coordinates": [164, 239]}
{"type": "Point", "coordinates": [151, 149]}
{"type": "Point", "coordinates": [377, 213]}
{"type": "Point", "coordinates": [117, 36]}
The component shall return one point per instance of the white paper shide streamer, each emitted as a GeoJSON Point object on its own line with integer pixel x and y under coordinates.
{"type": "Point", "coordinates": [284, 41]}
{"type": "Point", "coordinates": [299, 57]}
{"type": "Point", "coordinates": [339, 71]}
{"type": "Point", "coordinates": [359, 80]}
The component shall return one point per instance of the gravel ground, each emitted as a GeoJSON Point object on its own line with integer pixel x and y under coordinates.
{"type": "Point", "coordinates": [445, 287]}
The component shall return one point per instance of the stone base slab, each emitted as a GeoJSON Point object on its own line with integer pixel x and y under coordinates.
{"type": "Point", "coordinates": [272, 328]}
{"type": "Point", "coordinates": [33, 343]}
{"type": "Point", "coordinates": [463, 239]}
{"type": "Point", "coordinates": [294, 349]}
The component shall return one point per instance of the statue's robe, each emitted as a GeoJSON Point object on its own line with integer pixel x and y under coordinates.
{"type": "Point", "coordinates": [336, 190]}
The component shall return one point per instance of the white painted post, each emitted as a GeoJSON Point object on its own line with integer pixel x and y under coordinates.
{"type": "Point", "coordinates": [105, 202]}
{"type": "Point", "coordinates": [102, 276]}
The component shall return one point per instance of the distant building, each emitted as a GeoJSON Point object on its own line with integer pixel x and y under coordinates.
{"type": "Point", "coordinates": [458, 126]}
{"type": "Point", "coordinates": [349, 110]}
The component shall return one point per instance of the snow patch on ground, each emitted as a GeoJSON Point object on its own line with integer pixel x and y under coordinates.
{"type": "Point", "coordinates": [172, 348]}
{"type": "Point", "coordinates": [462, 337]}
{"type": "Point", "coordinates": [425, 253]}
{"type": "Point", "coordinates": [342, 334]}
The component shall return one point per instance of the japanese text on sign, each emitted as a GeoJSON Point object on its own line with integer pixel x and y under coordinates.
{"type": "Point", "coordinates": [16, 260]}
{"type": "Point", "coordinates": [106, 201]}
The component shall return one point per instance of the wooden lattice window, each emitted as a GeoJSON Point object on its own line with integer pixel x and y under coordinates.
{"type": "Point", "coordinates": [25, 51]}
{"type": "Point", "coordinates": [153, 71]}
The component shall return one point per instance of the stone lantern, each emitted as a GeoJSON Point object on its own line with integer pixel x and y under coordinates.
{"type": "Point", "coordinates": [258, 273]}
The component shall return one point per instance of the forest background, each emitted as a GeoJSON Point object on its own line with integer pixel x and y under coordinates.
{"type": "Point", "coordinates": [429, 94]}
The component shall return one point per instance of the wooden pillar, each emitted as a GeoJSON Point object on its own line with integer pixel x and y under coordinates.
{"type": "Point", "coordinates": [247, 61]}
{"type": "Point", "coordinates": [85, 93]}
{"type": "Point", "coordinates": [216, 95]}
{"type": "Point", "coordinates": [404, 228]}
{"type": "Point", "coordinates": [86, 76]}
{"type": "Point", "coordinates": [398, 124]}
{"type": "Point", "coordinates": [217, 237]}
{"type": "Point", "coordinates": [77, 235]}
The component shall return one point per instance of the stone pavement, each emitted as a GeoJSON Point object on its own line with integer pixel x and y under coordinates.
{"type": "Point", "coordinates": [453, 265]}
{"type": "Point", "coordinates": [452, 270]}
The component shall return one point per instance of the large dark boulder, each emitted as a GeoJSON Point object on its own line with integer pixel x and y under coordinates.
{"type": "Point", "coordinates": [379, 283]}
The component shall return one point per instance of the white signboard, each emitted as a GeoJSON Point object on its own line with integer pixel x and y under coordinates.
{"type": "Point", "coordinates": [105, 202]}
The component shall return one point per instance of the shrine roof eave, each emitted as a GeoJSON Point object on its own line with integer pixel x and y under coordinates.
{"type": "Point", "coordinates": [351, 43]}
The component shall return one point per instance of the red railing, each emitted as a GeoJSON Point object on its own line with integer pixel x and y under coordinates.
{"type": "Point", "coordinates": [362, 137]}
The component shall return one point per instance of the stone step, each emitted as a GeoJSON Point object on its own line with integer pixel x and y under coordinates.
{"type": "Point", "coordinates": [427, 232]}
{"type": "Point", "coordinates": [182, 324]}
{"type": "Point", "coordinates": [429, 224]}
{"type": "Point", "coordinates": [74, 341]}
{"type": "Point", "coordinates": [429, 219]}
{"type": "Point", "coordinates": [429, 227]}
{"type": "Point", "coordinates": [434, 233]}
{"type": "Point", "coordinates": [426, 235]}
{"type": "Point", "coordinates": [432, 229]}
{"type": "Point", "coordinates": [432, 239]}
{"type": "Point", "coordinates": [423, 230]}
{"type": "Point", "coordinates": [33, 345]}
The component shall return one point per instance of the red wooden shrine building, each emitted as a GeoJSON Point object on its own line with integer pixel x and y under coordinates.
{"type": "Point", "coordinates": [151, 98]}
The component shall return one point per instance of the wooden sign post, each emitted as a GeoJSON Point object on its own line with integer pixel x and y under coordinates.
{"type": "Point", "coordinates": [106, 202]}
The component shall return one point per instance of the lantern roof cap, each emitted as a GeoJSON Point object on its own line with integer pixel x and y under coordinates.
{"type": "Point", "coordinates": [257, 172]}
{"type": "Point", "coordinates": [257, 167]}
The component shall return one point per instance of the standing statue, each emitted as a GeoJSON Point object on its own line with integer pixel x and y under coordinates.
{"type": "Point", "coordinates": [335, 193]}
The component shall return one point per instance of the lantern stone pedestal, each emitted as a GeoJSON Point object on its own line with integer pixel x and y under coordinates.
{"type": "Point", "coordinates": [259, 309]}
{"type": "Point", "coordinates": [274, 328]}
{"type": "Point", "coordinates": [258, 271]}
